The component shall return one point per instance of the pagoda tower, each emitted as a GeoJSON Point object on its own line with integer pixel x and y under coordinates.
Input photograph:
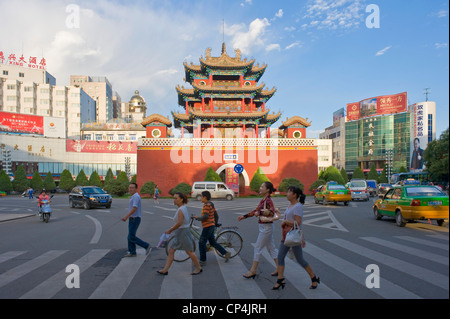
{"type": "Point", "coordinates": [226, 98]}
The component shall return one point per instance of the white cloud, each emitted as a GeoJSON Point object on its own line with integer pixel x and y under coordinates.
{"type": "Point", "coordinates": [279, 14]}
{"type": "Point", "coordinates": [383, 51]}
{"type": "Point", "coordinates": [334, 14]}
{"type": "Point", "coordinates": [289, 29]}
{"type": "Point", "coordinates": [250, 39]}
{"type": "Point", "coordinates": [442, 13]}
{"type": "Point", "coordinates": [293, 45]}
{"type": "Point", "coordinates": [273, 46]}
{"type": "Point", "coordinates": [440, 45]}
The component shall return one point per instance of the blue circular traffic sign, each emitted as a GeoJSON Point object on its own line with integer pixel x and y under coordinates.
{"type": "Point", "coordinates": [239, 168]}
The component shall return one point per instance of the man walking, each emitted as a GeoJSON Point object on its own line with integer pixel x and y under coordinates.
{"type": "Point", "coordinates": [209, 219]}
{"type": "Point", "coordinates": [134, 216]}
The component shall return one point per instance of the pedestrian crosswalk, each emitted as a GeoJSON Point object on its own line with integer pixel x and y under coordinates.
{"type": "Point", "coordinates": [410, 268]}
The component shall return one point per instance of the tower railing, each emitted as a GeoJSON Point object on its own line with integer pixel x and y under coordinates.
{"type": "Point", "coordinates": [227, 142]}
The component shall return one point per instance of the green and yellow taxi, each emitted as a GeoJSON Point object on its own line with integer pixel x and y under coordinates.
{"type": "Point", "coordinates": [413, 202]}
{"type": "Point", "coordinates": [332, 192]}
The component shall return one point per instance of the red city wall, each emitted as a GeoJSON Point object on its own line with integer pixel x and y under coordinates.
{"type": "Point", "coordinates": [155, 164]}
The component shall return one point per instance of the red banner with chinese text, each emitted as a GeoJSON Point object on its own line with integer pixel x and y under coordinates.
{"type": "Point", "coordinates": [21, 123]}
{"type": "Point", "coordinates": [83, 146]}
{"type": "Point", "coordinates": [385, 104]}
{"type": "Point", "coordinates": [232, 179]}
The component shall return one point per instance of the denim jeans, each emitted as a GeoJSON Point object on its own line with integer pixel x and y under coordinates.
{"type": "Point", "coordinates": [208, 235]}
{"type": "Point", "coordinates": [133, 240]}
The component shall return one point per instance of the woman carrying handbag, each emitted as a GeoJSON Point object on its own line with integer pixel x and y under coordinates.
{"type": "Point", "coordinates": [291, 231]}
{"type": "Point", "coordinates": [266, 213]}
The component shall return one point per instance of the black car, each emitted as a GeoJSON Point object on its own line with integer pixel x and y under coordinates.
{"type": "Point", "coordinates": [89, 196]}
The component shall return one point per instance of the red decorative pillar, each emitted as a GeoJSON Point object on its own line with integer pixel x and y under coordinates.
{"type": "Point", "coordinates": [268, 132]}
{"type": "Point", "coordinates": [211, 104]}
{"type": "Point", "coordinates": [251, 104]}
{"type": "Point", "coordinates": [264, 106]}
{"type": "Point", "coordinates": [203, 103]}
{"type": "Point", "coordinates": [241, 79]}
{"type": "Point", "coordinates": [256, 130]}
{"type": "Point", "coordinates": [243, 104]}
{"type": "Point", "coordinates": [187, 108]}
{"type": "Point", "coordinates": [210, 79]}
{"type": "Point", "coordinates": [243, 130]}
{"type": "Point", "coordinates": [182, 131]}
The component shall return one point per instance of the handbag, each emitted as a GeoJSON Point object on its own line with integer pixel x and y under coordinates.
{"type": "Point", "coordinates": [294, 236]}
{"type": "Point", "coordinates": [267, 212]}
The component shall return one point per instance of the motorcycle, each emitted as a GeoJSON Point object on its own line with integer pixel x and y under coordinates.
{"type": "Point", "coordinates": [45, 210]}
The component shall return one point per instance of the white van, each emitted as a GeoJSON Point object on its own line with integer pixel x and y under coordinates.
{"type": "Point", "coordinates": [359, 189]}
{"type": "Point", "coordinates": [217, 190]}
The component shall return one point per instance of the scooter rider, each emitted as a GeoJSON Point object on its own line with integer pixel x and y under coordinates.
{"type": "Point", "coordinates": [42, 196]}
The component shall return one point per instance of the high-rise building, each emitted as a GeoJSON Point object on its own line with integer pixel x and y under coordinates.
{"type": "Point", "coordinates": [100, 89]}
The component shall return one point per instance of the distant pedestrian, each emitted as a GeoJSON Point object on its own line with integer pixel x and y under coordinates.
{"type": "Point", "coordinates": [294, 213]}
{"type": "Point", "coordinates": [182, 239]}
{"type": "Point", "coordinates": [264, 210]}
{"type": "Point", "coordinates": [30, 193]}
{"type": "Point", "coordinates": [209, 220]}
{"type": "Point", "coordinates": [134, 216]}
{"type": "Point", "coordinates": [156, 195]}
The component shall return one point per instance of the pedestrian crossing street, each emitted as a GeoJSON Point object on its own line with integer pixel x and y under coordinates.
{"type": "Point", "coordinates": [410, 268]}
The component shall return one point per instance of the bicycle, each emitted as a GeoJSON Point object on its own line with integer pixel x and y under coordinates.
{"type": "Point", "coordinates": [228, 238]}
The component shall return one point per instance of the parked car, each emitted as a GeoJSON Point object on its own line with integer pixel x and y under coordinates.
{"type": "Point", "coordinates": [372, 186]}
{"type": "Point", "coordinates": [332, 192]}
{"type": "Point", "coordinates": [89, 196]}
{"type": "Point", "coordinates": [383, 188]}
{"type": "Point", "coordinates": [358, 189]}
{"type": "Point", "coordinates": [217, 190]}
{"type": "Point", "coordinates": [411, 202]}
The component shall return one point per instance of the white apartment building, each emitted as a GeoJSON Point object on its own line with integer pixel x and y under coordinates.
{"type": "Point", "coordinates": [34, 92]}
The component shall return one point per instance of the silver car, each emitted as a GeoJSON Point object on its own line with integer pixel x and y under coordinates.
{"type": "Point", "coordinates": [359, 189]}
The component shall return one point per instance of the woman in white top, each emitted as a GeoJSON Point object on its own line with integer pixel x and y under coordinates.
{"type": "Point", "coordinates": [294, 213]}
{"type": "Point", "coordinates": [183, 239]}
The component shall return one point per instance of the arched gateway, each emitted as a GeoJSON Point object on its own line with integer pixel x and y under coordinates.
{"type": "Point", "coordinates": [228, 123]}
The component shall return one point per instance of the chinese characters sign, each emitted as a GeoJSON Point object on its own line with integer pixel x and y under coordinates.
{"type": "Point", "coordinates": [31, 62]}
{"type": "Point", "coordinates": [20, 123]}
{"type": "Point", "coordinates": [232, 179]}
{"type": "Point", "coordinates": [386, 104]}
{"type": "Point", "coordinates": [83, 146]}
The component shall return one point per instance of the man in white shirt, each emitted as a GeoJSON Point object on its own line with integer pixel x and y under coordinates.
{"type": "Point", "coordinates": [134, 216]}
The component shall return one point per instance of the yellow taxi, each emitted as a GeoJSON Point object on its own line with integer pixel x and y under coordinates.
{"type": "Point", "coordinates": [332, 192]}
{"type": "Point", "coordinates": [412, 202]}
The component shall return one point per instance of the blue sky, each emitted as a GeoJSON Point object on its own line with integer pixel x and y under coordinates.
{"type": "Point", "coordinates": [320, 53]}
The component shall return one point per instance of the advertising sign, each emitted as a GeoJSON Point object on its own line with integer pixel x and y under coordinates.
{"type": "Point", "coordinates": [385, 104]}
{"type": "Point", "coordinates": [337, 115]}
{"type": "Point", "coordinates": [21, 123]}
{"type": "Point", "coordinates": [54, 127]}
{"type": "Point", "coordinates": [30, 62]}
{"type": "Point", "coordinates": [83, 146]}
{"type": "Point", "coordinates": [232, 179]}
{"type": "Point", "coordinates": [419, 135]}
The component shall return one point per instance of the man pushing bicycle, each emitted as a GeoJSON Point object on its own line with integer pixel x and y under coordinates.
{"type": "Point", "coordinates": [209, 220]}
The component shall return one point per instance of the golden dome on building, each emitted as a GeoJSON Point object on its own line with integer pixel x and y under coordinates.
{"type": "Point", "coordinates": [137, 101]}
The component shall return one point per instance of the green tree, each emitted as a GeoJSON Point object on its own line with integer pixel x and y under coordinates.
{"type": "Point", "coordinates": [94, 179]}
{"type": "Point", "coordinates": [66, 181]}
{"type": "Point", "coordinates": [5, 182]}
{"type": "Point", "coordinates": [358, 173]}
{"type": "Point", "coordinates": [333, 174]}
{"type": "Point", "coordinates": [36, 181]}
{"type": "Point", "coordinates": [21, 182]}
{"type": "Point", "coordinates": [148, 188]}
{"type": "Point", "coordinates": [134, 178]}
{"type": "Point", "coordinates": [383, 178]}
{"type": "Point", "coordinates": [81, 179]}
{"type": "Point", "coordinates": [317, 183]}
{"type": "Point", "coordinates": [403, 170]}
{"type": "Point", "coordinates": [290, 181]}
{"type": "Point", "coordinates": [181, 188]}
{"type": "Point", "coordinates": [344, 175]}
{"type": "Point", "coordinates": [212, 176]}
{"type": "Point", "coordinates": [109, 176]}
{"type": "Point", "coordinates": [436, 158]}
{"type": "Point", "coordinates": [120, 185]}
{"type": "Point", "coordinates": [258, 178]}
{"type": "Point", "coordinates": [373, 174]}
{"type": "Point", "coordinates": [49, 183]}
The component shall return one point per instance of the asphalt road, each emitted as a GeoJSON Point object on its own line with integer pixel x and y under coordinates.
{"type": "Point", "coordinates": [346, 247]}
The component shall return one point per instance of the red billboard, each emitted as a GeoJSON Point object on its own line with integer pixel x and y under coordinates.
{"type": "Point", "coordinates": [385, 104]}
{"type": "Point", "coordinates": [84, 146]}
{"type": "Point", "coordinates": [21, 123]}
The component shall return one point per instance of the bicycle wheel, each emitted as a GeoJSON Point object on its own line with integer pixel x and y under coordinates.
{"type": "Point", "coordinates": [180, 255]}
{"type": "Point", "coordinates": [231, 241]}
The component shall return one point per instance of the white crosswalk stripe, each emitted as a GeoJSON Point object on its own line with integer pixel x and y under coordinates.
{"type": "Point", "coordinates": [29, 266]}
{"type": "Point", "coordinates": [122, 277]}
{"type": "Point", "coordinates": [400, 265]}
{"type": "Point", "coordinates": [53, 285]}
{"type": "Point", "coordinates": [115, 285]}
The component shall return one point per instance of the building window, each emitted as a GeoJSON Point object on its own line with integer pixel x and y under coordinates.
{"type": "Point", "coordinates": [44, 91]}
{"type": "Point", "coordinates": [21, 75]}
{"type": "Point", "coordinates": [5, 72]}
{"type": "Point", "coordinates": [87, 137]}
{"type": "Point", "coordinates": [133, 137]}
{"type": "Point", "coordinates": [98, 137]}
{"type": "Point", "coordinates": [11, 87]}
{"type": "Point", "coordinates": [28, 89]}
{"type": "Point", "coordinates": [121, 137]}
{"type": "Point", "coordinates": [110, 137]}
